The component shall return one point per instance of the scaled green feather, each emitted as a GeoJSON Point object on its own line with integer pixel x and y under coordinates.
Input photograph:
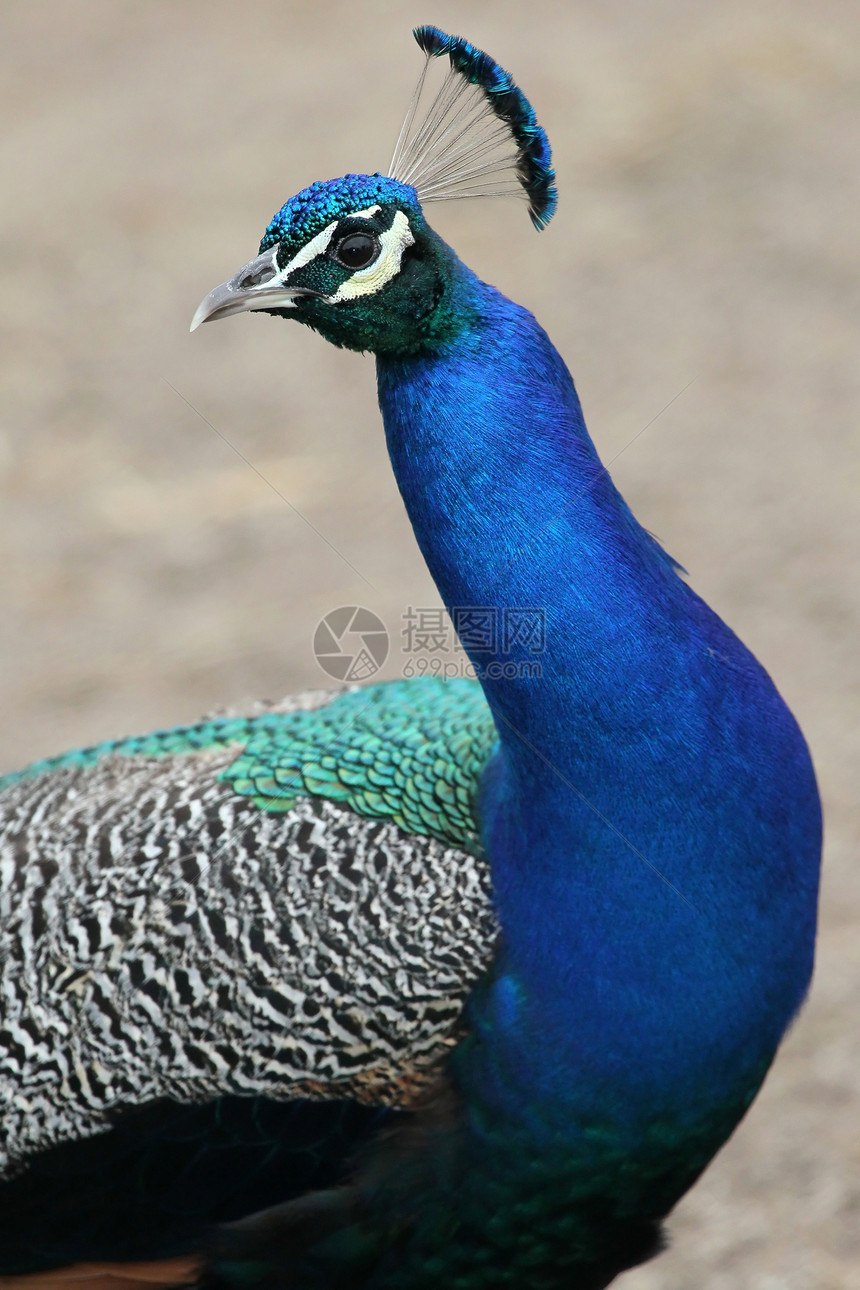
{"type": "Point", "coordinates": [401, 751]}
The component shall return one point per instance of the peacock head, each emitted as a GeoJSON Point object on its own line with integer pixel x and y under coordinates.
{"type": "Point", "coordinates": [354, 257]}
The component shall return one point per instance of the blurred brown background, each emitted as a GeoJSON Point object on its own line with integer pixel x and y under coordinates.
{"type": "Point", "coordinates": [707, 232]}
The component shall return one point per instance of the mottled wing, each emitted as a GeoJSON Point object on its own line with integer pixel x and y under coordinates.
{"type": "Point", "coordinates": [165, 936]}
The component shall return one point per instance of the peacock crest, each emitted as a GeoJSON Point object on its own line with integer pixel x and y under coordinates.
{"type": "Point", "coordinates": [479, 135]}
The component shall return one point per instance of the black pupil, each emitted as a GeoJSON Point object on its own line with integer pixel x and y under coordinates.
{"type": "Point", "coordinates": [356, 250]}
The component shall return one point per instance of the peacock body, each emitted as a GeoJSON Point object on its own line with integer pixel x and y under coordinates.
{"type": "Point", "coordinates": [520, 951]}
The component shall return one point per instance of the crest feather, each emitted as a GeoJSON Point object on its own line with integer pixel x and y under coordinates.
{"type": "Point", "coordinates": [478, 138]}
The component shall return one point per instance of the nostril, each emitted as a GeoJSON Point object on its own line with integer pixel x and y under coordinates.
{"type": "Point", "coordinates": [256, 277]}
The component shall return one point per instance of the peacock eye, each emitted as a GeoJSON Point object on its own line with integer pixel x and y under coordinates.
{"type": "Point", "coordinates": [356, 250]}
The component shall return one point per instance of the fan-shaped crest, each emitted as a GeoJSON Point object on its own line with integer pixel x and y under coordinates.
{"type": "Point", "coordinates": [479, 137]}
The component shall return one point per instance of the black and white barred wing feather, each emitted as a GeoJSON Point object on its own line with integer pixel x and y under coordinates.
{"type": "Point", "coordinates": [162, 936]}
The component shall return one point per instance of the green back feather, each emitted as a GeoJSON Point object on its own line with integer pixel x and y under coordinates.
{"type": "Point", "coordinates": [407, 751]}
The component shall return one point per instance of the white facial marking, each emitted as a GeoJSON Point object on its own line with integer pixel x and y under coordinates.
{"type": "Point", "coordinates": [366, 282]}
{"type": "Point", "coordinates": [371, 210]}
{"type": "Point", "coordinates": [316, 246]}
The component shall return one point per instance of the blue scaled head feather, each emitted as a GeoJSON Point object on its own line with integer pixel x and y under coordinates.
{"type": "Point", "coordinates": [327, 201]}
{"type": "Point", "coordinates": [479, 137]}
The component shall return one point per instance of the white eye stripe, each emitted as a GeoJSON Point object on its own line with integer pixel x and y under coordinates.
{"type": "Point", "coordinates": [318, 245]}
{"type": "Point", "coordinates": [366, 282]}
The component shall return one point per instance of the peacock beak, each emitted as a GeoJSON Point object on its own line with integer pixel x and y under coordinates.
{"type": "Point", "coordinates": [257, 285]}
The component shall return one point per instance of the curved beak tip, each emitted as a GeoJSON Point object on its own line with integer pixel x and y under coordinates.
{"type": "Point", "coordinates": [220, 301]}
{"type": "Point", "coordinates": [258, 285]}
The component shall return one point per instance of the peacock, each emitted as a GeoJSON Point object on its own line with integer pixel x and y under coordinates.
{"type": "Point", "coordinates": [425, 983]}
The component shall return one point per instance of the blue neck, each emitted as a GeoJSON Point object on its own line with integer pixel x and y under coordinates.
{"type": "Point", "coordinates": [651, 816]}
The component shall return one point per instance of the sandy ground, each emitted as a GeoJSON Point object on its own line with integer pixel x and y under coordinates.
{"type": "Point", "coordinates": [707, 233]}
